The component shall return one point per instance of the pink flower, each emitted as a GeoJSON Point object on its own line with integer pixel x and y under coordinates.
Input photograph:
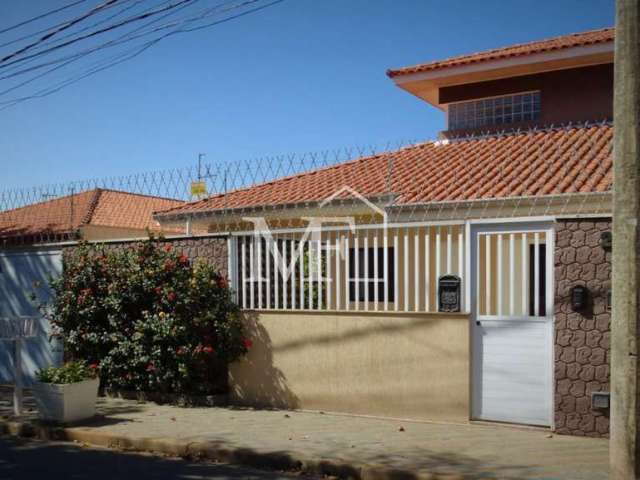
{"type": "Point", "coordinates": [151, 367]}
{"type": "Point", "coordinates": [168, 248]}
{"type": "Point", "coordinates": [247, 343]}
{"type": "Point", "coordinates": [183, 259]}
{"type": "Point", "coordinates": [172, 296]}
{"type": "Point", "coordinates": [208, 349]}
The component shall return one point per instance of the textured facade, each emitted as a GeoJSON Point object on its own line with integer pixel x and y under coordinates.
{"type": "Point", "coordinates": [582, 338]}
{"type": "Point", "coordinates": [212, 250]}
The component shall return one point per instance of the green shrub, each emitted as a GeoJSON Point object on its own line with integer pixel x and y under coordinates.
{"type": "Point", "coordinates": [71, 372]}
{"type": "Point", "coordinates": [147, 316]}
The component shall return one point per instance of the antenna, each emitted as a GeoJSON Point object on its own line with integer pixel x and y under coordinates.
{"type": "Point", "coordinates": [200, 157]}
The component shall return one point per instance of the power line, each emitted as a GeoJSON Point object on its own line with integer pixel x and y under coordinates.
{"type": "Point", "coordinates": [104, 20]}
{"type": "Point", "coordinates": [89, 27]}
{"type": "Point", "coordinates": [111, 43]}
{"type": "Point", "coordinates": [38, 32]}
{"type": "Point", "coordinates": [66, 26]}
{"type": "Point", "coordinates": [46, 14]}
{"type": "Point", "coordinates": [89, 35]}
{"type": "Point", "coordinates": [125, 38]}
{"type": "Point", "coordinates": [134, 52]}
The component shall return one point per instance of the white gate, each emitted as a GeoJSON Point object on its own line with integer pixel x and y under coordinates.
{"type": "Point", "coordinates": [23, 273]}
{"type": "Point", "coordinates": [512, 323]}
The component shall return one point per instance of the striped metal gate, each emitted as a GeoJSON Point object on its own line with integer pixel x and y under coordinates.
{"type": "Point", "coordinates": [512, 323]}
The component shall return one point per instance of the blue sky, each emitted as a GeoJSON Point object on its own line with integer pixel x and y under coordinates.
{"type": "Point", "coordinates": [300, 76]}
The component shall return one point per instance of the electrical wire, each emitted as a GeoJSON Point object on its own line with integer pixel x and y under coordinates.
{"type": "Point", "coordinates": [93, 25]}
{"type": "Point", "coordinates": [44, 15]}
{"type": "Point", "coordinates": [132, 53]}
{"type": "Point", "coordinates": [129, 36]}
{"type": "Point", "coordinates": [89, 27]}
{"type": "Point", "coordinates": [50, 34]}
{"type": "Point", "coordinates": [92, 34]}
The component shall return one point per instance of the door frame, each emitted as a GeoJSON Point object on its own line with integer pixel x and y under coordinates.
{"type": "Point", "coordinates": [473, 229]}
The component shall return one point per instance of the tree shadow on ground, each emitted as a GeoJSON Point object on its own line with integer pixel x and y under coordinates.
{"type": "Point", "coordinates": [28, 460]}
{"type": "Point", "coordinates": [458, 465]}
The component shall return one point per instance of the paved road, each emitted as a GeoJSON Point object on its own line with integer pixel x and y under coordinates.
{"type": "Point", "coordinates": [35, 460]}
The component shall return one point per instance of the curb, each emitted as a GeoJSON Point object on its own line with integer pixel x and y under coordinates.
{"type": "Point", "coordinates": [212, 451]}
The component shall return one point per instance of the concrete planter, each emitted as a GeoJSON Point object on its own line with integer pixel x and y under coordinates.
{"type": "Point", "coordinates": [66, 402]}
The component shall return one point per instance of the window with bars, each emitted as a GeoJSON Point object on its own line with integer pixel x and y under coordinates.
{"type": "Point", "coordinates": [364, 287]}
{"type": "Point", "coordinates": [522, 107]}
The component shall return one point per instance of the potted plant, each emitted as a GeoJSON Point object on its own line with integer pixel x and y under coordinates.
{"type": "Point", "coordinates": [67, 393]}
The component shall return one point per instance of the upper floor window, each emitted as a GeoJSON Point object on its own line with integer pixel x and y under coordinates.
{"type": "Point", "coordinates": [522, 107]}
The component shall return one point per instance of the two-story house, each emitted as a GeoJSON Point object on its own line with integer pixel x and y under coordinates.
{"type": "Point", "coordinates": [473, 283]}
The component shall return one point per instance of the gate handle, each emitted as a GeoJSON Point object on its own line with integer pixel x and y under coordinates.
{"type": "Point", "coordinates": [478, 322]}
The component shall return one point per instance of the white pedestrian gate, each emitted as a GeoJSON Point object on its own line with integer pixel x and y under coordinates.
{"type": "Point", "coordinates": [512, 323]}
{"type": "Point", "coordinates": [21, 274]}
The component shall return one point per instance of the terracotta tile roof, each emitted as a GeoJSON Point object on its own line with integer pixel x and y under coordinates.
{"type": "Point", "coordinates": [558, 43]}
{"type": "Point", "coordinates": [532, 163]}
{"type": "Point", "coordinates": [62, 217]}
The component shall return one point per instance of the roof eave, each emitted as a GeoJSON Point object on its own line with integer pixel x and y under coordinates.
{"type": "Point", "coordinates": [425, 83]}
{"type": "Point", "coordinates": [266, 208]}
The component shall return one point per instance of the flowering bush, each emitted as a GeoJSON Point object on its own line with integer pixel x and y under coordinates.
{"type": "Point", "coordinates": [148, 317]}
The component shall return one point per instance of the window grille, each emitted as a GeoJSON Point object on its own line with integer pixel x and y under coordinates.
{"type": "Point", "coordinates": [522, 107]}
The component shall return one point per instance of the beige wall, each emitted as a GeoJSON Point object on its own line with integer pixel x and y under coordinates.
{"type": "Point", "coordinates": [95, 232]}
{"type": "Point", "coordinates": [398, 365]}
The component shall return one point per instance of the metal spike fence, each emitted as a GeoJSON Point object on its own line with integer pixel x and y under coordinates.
{"type": "Point", "coordinates": [55, 212]}
{"type": "Point", "coordinates": [555, 170]}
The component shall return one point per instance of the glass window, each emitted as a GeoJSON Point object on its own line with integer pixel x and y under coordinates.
{"type": "Point", "coordinates": [507, 109]}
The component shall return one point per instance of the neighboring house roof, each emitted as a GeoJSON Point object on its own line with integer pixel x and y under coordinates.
{"type": "Point", "coordinates": [63, 216]}
{"type": "Point", "coordinates": [531, 163]}
{"type": "Point", "coordinates": [541, 46]}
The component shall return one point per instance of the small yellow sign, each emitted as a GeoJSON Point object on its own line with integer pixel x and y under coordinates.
{"type": "Point", "coordinates": [199, 188]}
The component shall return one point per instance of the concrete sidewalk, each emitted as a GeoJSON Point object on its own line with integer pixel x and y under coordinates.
{"type": "Point", "coordinates": [340, 445]}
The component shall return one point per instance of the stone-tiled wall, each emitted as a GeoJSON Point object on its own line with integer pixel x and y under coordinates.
{"type": "Point", "coordinates": [581, 338]}
{"type": "Point", "coordinates": [212, 250]}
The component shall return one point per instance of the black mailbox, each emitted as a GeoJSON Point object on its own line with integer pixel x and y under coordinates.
{"type": "Point", "coordinates": [579, 298]}
{"type": "Point", "coordinates": [449, 293]}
